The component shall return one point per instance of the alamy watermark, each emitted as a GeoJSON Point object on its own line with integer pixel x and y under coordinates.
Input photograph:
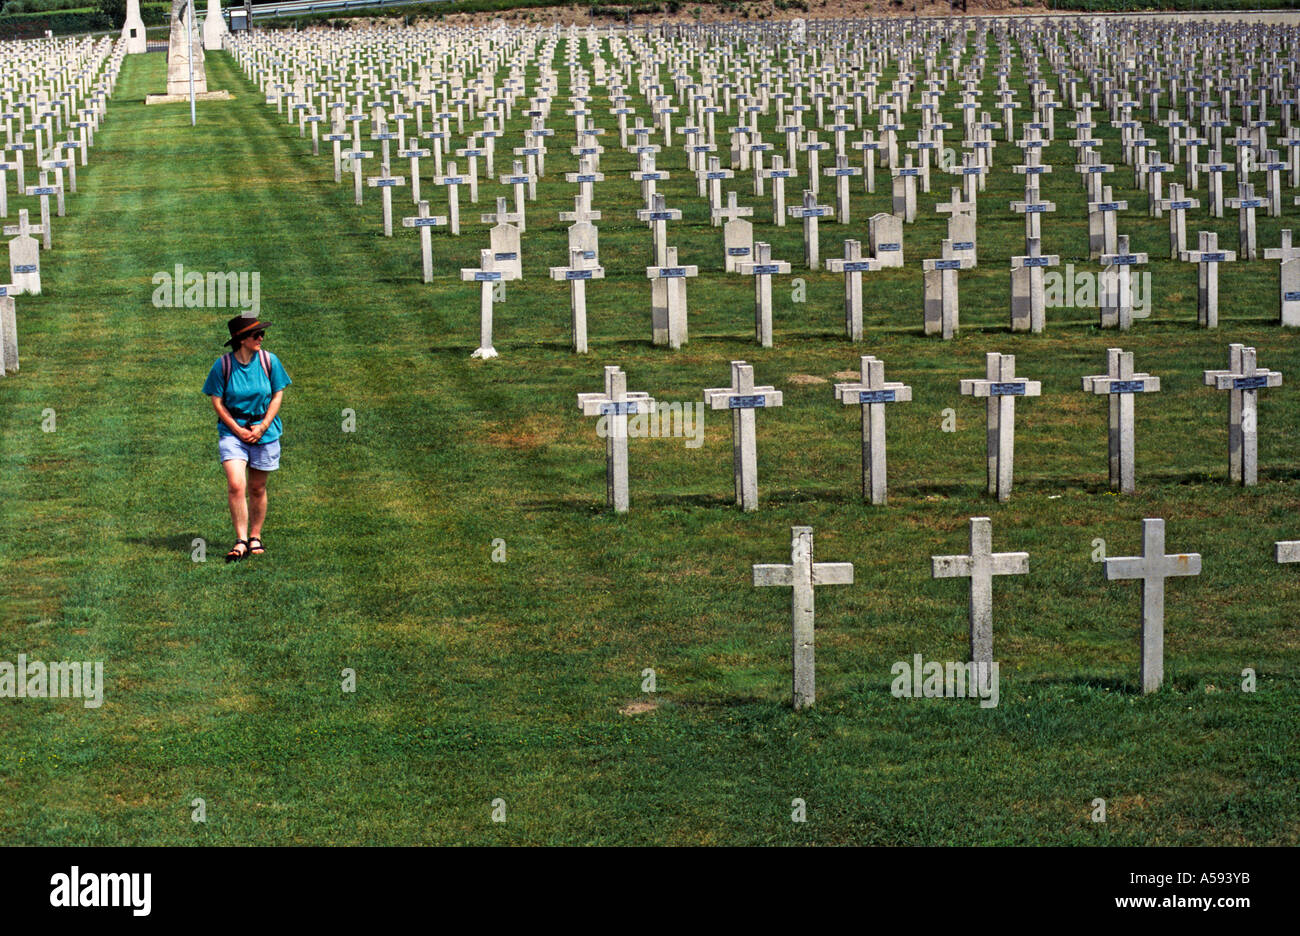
{"type": "Point", "coordinates": [208, 290]}
{"type": "Point", "coordinates": [1085, 290]}
{"type": "Point", "coordinates": [661, 421]}
{"type": "Point", "coordinates": [78, 888]}
{"type": "Point", "coordinates": [949, 680]}
{"type": "Point", "coordinates": [35, 679]}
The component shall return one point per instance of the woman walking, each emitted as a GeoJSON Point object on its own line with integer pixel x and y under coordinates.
{"type": "Point", "coordinates": [246, 387]}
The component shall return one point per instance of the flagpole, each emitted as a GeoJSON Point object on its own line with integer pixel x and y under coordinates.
{"type": "Point", "coordinates": [189, 37]}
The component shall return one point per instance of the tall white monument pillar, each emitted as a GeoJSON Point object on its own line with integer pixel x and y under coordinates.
{"type": "Point", "coordinates": [180, 45]}
{"type": "Point", "coordinates": [133, 28]}
{"type": "Point", "coordinates": [214, 27]}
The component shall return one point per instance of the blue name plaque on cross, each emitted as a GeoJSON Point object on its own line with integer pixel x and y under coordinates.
{"type": "Point", "coordinates": [875, 396]}
{"type": "Point", "coordinates": [1007, 389]}
{"type": "Point", "coordinates": [618, 409]}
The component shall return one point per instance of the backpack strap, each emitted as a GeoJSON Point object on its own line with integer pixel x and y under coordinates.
{"type": "Point", "coordinates": [226, 364]}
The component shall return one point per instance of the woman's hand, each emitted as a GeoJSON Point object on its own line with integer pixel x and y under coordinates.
{"type": "Point", "coordinates": [248, 436]}
{"type": "Point", "coordinates": [257, 431]}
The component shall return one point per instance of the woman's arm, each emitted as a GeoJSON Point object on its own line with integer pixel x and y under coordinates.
{"type": "Point", "coordinates": [271, 411]}
{"type": "Point", "coordinates": [223, 414]}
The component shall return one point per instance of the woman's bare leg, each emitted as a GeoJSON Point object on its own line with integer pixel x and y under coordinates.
{"type": "Point", "coordinates": [236, 486]}
{"type": "Point", "coordinates": [256, 501]}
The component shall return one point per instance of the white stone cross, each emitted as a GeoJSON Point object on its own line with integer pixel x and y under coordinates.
{"type": "Point", "coordinates": [803, 574]}
{"type": "Point", "coordinates": [24, 257]}
{"type": "Point", "coordinates": [583, 235]}
{"type": "Point", "coordinates": [588, 148]}
{"type": "Point", "coordinates": [972, 173]}
{"type": "Point", "coordinates": [1215, 169]}
{"type": "Point", "coordinates": [576, 274]}
{"type": "Point", "coordinates": [814, 147]}
{"type": "Point", "coordinates": [356, 158]}
{"type": "Point", "coordinates": [386, 183]}
{"type": "Point", "coordinates": [668, 300]}
{"type": "Point", "coordinates": [5, 169]}
{"type": "Point", "coordinates": [763, 268]}
{"type": "Point", "coordinates": [869, 147]}
{"type": "Point", "coordinates": [852, 265]}
{"type": "Point", "coordinates": [338, 138]}
{"type": "Point", "coordinates": [453, 181]}
{"type": "Point", "coordinates": [649, 177]}
{"type": "Point", "coordinates": [778, 173]}
{"type": "Point", "coordinates": [44, 190]}
{"type": "Point", "coordinates": [1000, 387]}
{"type": "Point", "coordinates": [956, 206]}
{"type": "Point", "coordinates": [1102, 233]}
{"type": "Point", "coordinates": [585, 178]}
{"type": "Point", "coordinates": [903, 203]}
{"type": "Point", "coordinates": [1028, 294]}
{"type": "Point", "coordinates": [810, 212]}
{"type": "Point", "coordinates": [1207, 257]}
{"type": "Point", "coordinates": [1033, 208]}
{"type": "Point", "coordinates": [872, 393]}
{"type": "Point", "coordinates": [613, 407]}
{"type": "Point", "coordinates": [473, 153]}
{"type": "Point", "coordinates": [414, 154]}
{"type": "Point", "coordinates": [712, 179]}
{"type": "Point", "coordinates": [1243, 379]}
{"type": "Point", "coordinates": [737, 233]}
{"type": "Point", "coordinates": [1178, 204]}
{"type": "Point", "coordinates": [423, 221]}
{"type": "Point", "coordinates": [743, 398]}
{"type": "Point", "coordinates": [57, 166]}
{"type": "Point", "coordinates": [519, 178]}
{"type": "Point", "coordinates": [507, 247]}
{"type": "Point", "coordinates": [8, 331]}
{"type": "Point", "coordinates": [658, 215]}
{"type": "Point", "coordinates": [1288, 279]}
{"type": "Point", "coordinates": [942, 313]}
{"type": "Point", "coordinates": [1246, 203]}
{"type": "Point", "coordinates": [842, 172]}
{"type": "Point", "coordinates": [980, 566]}
{"type": "Point", "coordinates": [1153, 173]}
{"type": "Point", "coordinates": [487, 274]}
{"type": "Point", "coordinates": [962, 232]}
{"type": "Point", "coordinates": [756, 148]}
{"type": "Point", "coordinates": [1153, 567]}
{"type": "Point", "coordinates": [1119, 384]}
{"type": "Point", "coordinates": [1116, 287]}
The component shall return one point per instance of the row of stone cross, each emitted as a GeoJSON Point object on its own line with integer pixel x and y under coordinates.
{"type": "Point", "coordinates": [626, 414]}
{"type": "Point", "coordinates": [58, 85]}
{"type": "Point", "coordinates": [502, 262]}
{"type": "Point", "coordinates": [803, 574]}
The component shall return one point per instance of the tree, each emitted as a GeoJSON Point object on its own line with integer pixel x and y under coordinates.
{"type": "Point", "coordinates": [115, 10]}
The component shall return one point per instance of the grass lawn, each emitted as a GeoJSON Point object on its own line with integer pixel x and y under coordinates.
{"type": "Point", "coordinates": [478, 680]}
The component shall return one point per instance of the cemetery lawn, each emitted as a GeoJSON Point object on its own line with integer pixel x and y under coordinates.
{"type": "Point", "coordinates": [478, 680]}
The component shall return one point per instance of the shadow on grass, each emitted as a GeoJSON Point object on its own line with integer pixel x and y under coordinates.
{"type": "Point", "coordinates": [724, 702]}
{"type": "Point", "coordinates": [1098, 683]}
{"type": "Point", "coordinates": [181, 543]}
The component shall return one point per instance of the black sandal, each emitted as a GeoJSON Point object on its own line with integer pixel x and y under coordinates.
{"type": "Point", "coordinates": [258, 549]}
{"type": "Point", "coordinates": [233, 556]}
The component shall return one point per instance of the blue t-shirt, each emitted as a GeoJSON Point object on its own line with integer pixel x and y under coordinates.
{"type": "Point", "coordinates": [248, 393]}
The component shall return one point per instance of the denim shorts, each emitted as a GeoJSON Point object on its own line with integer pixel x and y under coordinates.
{"type": "Point", "coordinates": [264, 457]}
